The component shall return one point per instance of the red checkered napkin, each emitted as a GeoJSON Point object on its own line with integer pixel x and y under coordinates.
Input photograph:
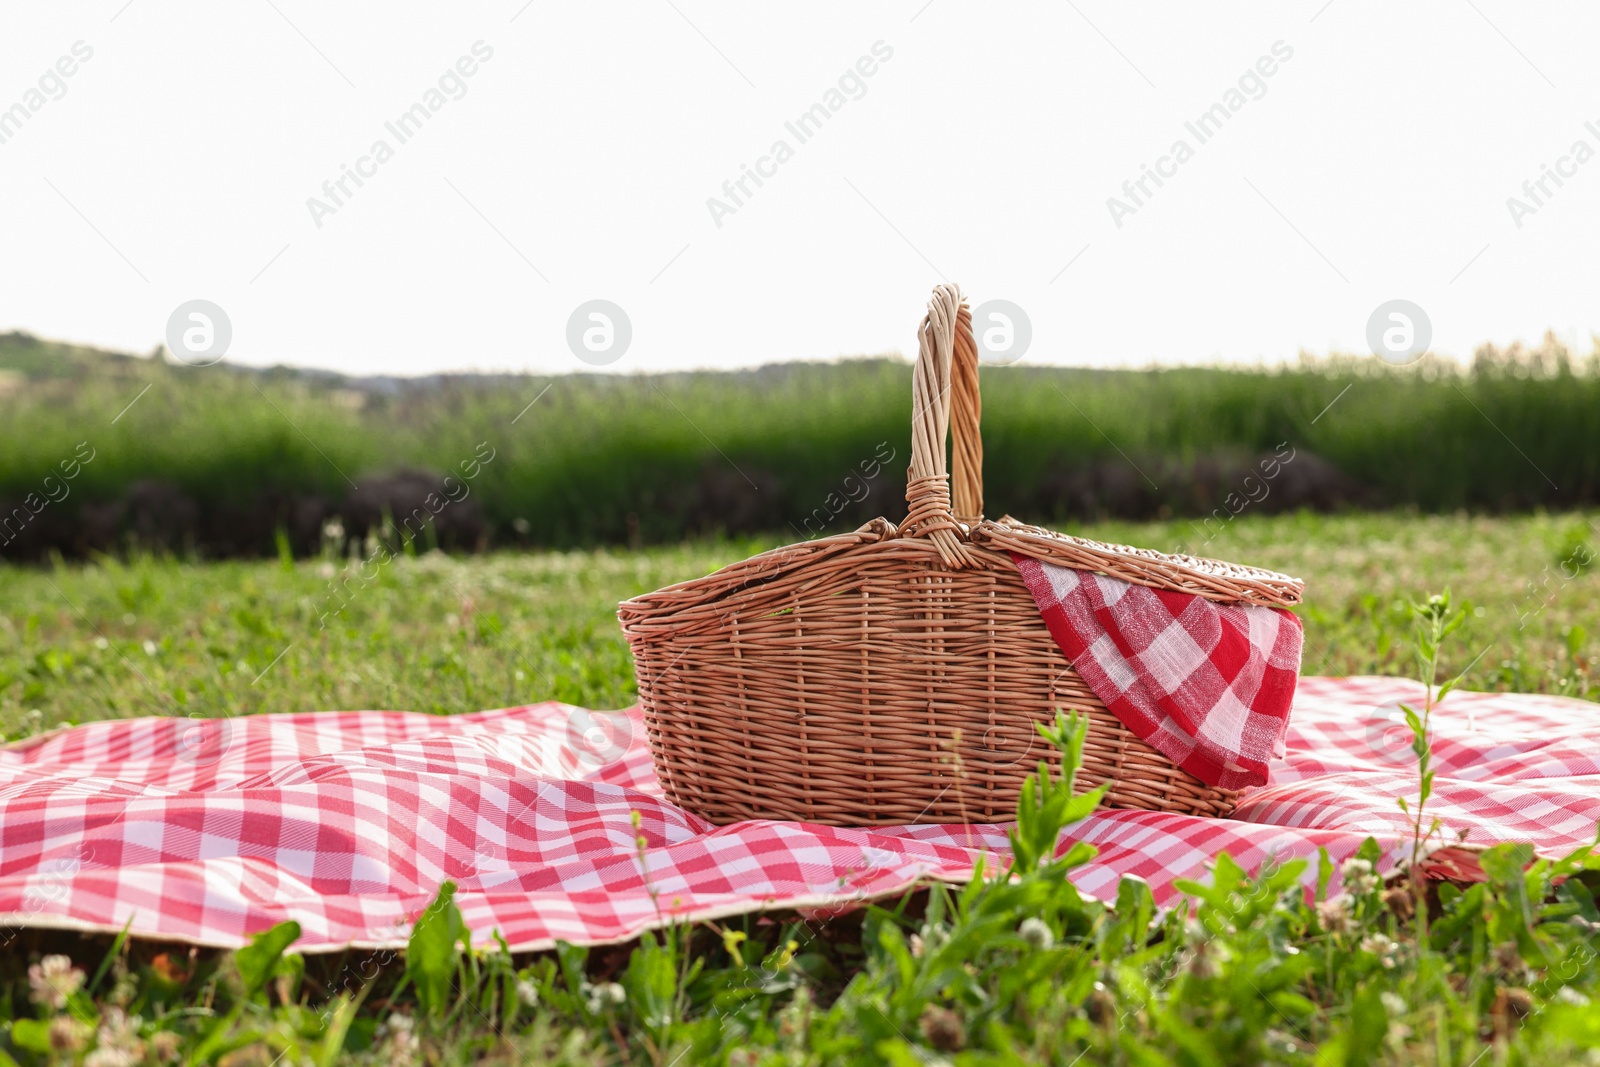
{"type": "Point", "coordinates": [1207, 685]}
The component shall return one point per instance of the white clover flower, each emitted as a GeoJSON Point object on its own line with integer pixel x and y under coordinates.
{"type": "Point", "coordinates": [53, 980]}
{"type": "Point", "coordinates": [528, 992]}
{"type": "Point", "coordinates": [1381, 946]}
{"type": "Point", "coordinates": [67, 1034]}
{"type": "Point", "coordinates": [932, 938]}
{"type": "Point", "coordinates": [118, 1027]}
{"type": "Point", "coordinates": [118, 1039]}
{"type": "Point", "coordinates": [603, 996]}
{"type": "Point", "coordinates": [402, 1037]}
{"type": "Point", "coordinates": [110, 1056]}
{"type": "Point", "coordinates": [1037, 934]}
{"type": "Point", "coordinates": [1359, 878]}
{"type": "Point", "coordinates": [1334, 914]}
{"type": "Point", "coordinates": [1281, 1042]}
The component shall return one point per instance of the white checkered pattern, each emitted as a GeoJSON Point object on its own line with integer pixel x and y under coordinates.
{"type": "Point", "coordinates": [1207, 685]}
{"type": "Point", "coordinates": [348, 821]}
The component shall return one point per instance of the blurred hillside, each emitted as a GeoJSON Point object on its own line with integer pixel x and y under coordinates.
{"type": "Point", "coordinates": [226, 460]}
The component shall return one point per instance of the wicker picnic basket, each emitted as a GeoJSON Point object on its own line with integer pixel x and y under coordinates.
{"type": "Point", "coordinates": [895, 674]}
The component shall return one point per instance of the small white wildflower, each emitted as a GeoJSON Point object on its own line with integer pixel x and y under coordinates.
{"type": "Point", "coordinates": [1281, 1042]}
{"type": "Point", "coordinates": [1567, 995]}
{"type": "Point", "coordinates": [1359, 878]}
{"type": "Point", "coordinates": [528, 992]}
{"type": "Point", "coordinates": [333, 530]}
{"type": "Point", "coordinates": [917, 947]}
{"type": "Point", "coordinates": [68, 1034]}
{"type": "Point", "coordinates": [1394, 1003]}
{"type": "Point", "coordinates": [1334, 914]}
{"type": "Point", "coordinates": [600, 997]}
{"type": "Point", "coordinates": [932, 938]}
{"type": "Point", "coordinates": [117, 1042]}
{"type": "Point", "coordinates": [101, 643]}
{"type": "Point", "coordinates": [110, 1056]}
{"type": "Point", "coordinates": [124, 989]}
{"type": "Point", "coordinates": [150, 648]}
{"type": "Point", "coordinates": [117, 1025]}
{"type": "Point", "coordinates": [52, 980]}
{"type": "Point", "coordinates": [1037, 934]}
{"type": "Point", "coordinates": [325, 570]}
{"type": "Point", "coordinates": [1381, 946]}
{"type": "Point", "coordinates": [402, 1037]}
{"type": "Point", "coordinates": [120, 1031]}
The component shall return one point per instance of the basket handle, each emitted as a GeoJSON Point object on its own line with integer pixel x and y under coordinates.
{"type": "Point", "coordinates": [966, 408]}
{"type": "Point", "coordinates": [944, 398]}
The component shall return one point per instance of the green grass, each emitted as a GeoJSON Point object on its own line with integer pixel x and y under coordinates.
{"type": "Point", "coordinates": [624, 459]}
{"type": "Point", "coordinates": [162, 636]}
{"type": "Point", "coordinates": [1000, 972]}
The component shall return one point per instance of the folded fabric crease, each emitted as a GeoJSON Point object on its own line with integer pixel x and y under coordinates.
{"type": "Point", "coordinates": [1208, 685]}
{"type": "Point", "coordinates": [348, 822]}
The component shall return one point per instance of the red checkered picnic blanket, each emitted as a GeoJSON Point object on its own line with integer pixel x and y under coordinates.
{"type": "Point", "coordinates": [1207, 685]}
{"type": "Point", "coordinates": [349, 821]}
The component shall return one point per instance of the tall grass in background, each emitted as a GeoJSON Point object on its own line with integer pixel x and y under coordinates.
{"type": "Point", "coordinates": [657, 457]}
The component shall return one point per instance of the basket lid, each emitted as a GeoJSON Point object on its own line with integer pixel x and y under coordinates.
{"type": "Point", "coordinates": [1212, 579]}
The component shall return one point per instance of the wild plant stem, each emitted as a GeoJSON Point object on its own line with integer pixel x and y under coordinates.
{"type": "Point", "coordinates": [1422, 763]}
{"type": "Point", "coordinates": [1436, 626]}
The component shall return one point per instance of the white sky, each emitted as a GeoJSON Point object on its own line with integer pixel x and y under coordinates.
{"type": "Point", "coordinates": [1376, 166]}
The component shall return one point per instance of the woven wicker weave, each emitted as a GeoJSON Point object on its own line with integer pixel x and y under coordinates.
{"type": "Point", "coordinates": [895, 674]}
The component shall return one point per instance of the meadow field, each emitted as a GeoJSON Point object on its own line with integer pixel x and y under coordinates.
{"type": "Point", "coordinates": [210, 542]}
{"type": "Point", "coordinates": [220, 461]}
{"type": "Point", "coordinates": [1024, 971]}
{"type": "Point", "coordinates": [159, 635]}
